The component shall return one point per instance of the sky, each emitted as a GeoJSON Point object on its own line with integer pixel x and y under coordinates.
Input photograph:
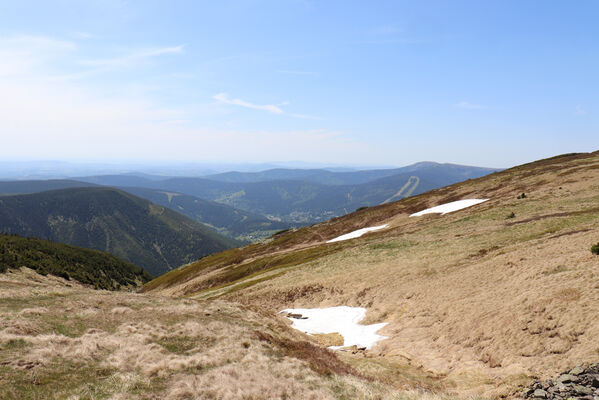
{"type": "Point", "coordinates": [489, 83]}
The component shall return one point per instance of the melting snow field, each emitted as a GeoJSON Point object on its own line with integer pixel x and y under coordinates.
{"type": "Point", "coordinates": [342, 319]}
{"type": "Point", "coordinates": [356, 234]}
{"type": "Point", "coordinates": [449, 207]}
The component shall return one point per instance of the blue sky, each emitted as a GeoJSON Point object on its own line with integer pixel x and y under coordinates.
{"type": "Point", "coordinates": [492, 83]}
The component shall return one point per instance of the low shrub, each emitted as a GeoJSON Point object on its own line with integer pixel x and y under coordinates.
{"type": "Point", "coordinates": [595, 249]}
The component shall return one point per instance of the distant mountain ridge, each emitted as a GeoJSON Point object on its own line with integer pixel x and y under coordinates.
{"type": "Point", "coordinates": [260, 203]}
{"type": "Point", "coordinates": [224, 219]}
{"type": "Point", "coordinates": [328, 177]}
{"type": "Point", "coordinates": [148, 235]}
{"type": "Point", "coordinates": [37, 185]}
{"type": "Point", "coordinates": [308, 196]}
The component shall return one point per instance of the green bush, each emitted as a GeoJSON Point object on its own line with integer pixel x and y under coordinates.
{"type": "Point", "coordinates": [595, 249]}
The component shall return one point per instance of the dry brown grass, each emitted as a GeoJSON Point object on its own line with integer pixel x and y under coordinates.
{"type": "Point", "coordinates": [64, 341]}
{"type": "Point", "coordinates": [482, 303]}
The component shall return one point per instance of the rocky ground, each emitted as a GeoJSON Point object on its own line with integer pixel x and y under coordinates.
{"type": "Point", "coordinates": [577, 383]}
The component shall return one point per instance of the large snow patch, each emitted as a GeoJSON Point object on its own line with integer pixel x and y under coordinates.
{"type": "Point", "coordinates": [449, 207]}
{"type": "Point", "coordinates": [356, 234]}
{"type": "Point", "coordinates": [342, 319]}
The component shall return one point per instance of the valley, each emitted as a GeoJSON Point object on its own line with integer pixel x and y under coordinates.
{"type": "Point", "coordinates": [150, 236]}
{"type": "Point", "coordinates": [471, 290]}
{"type": "Point", "coordinates": [299, 200]}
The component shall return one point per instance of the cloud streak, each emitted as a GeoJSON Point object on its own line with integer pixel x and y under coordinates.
{"type": "Point", "coordinates": [224, 98]}
{"type": "Point", "coordinates": [271, 108]}
{"type": "Point", "coordinates": [131, 58]}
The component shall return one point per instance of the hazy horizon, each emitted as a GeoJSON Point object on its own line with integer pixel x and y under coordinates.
{"type": "Point", "coordinates": [466, 82]}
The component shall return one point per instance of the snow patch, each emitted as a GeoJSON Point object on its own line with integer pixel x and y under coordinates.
{"type": "Point", "coordinates": [342, 319]}
{"type": "Point", "coordinates": [356, 234]}
{"type": "Point", "coordinates": [449, 207]}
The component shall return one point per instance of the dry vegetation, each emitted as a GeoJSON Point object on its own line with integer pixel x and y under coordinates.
{"type": "Point", "coordinates": [60, 340]}
{"type": "Point", "coordinates": [478, 302]}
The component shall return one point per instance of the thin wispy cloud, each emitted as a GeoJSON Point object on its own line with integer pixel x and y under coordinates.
{"type": "Point", "coordinates": [23, 54]}
{"type": "Point", "coordinates": [33, 43]}
{"type": "Point", "coordinates": [471, 106]}
{"type": "Point", "coordinates": [224, 98]}
{"type": "Point", "coordinates": [271, 108]}
{"type": "Point", "coordinates": [579, 110]}
{"type": "Point", "coordinates": [131, 58]}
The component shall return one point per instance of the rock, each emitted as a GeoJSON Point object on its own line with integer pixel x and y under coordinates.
{"type": "Point", "coordinates": [577, 370]}
{"type": "Point", "coordinates": [539, 394]}
{"type": "Point", "coordinates": [582, 390]}
{"type": "Point", "coordinates": [595, 381]}
{"type": "Point", "coordinates": [296, 316]}
{"type": "Point", "coordinates": [567, 378]}
{"type": "Point", "coordinates": [527, 392]}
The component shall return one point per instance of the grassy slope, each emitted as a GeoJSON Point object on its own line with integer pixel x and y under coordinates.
{"type": "Point", "coordinates": [484, 300]}
{"type": "Point", "coordinates": [59, 340]}
{"type": "Point", "coordinates": [91, 267]}
{"type": "Point", "coordinates": [110, 220]}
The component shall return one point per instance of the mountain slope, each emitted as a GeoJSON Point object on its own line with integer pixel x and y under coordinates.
{"type": "Point", "coordinates": [91, 267]}
{"type": "Point", "coordinates": [226, 220]}
{"type": "Point", "coordinates": [449, 173]}
{"type": "Point", "coordinates": [294, 201]}
{"type": "Point", "coordinates": [308, 196]}
{"type": "Point", "coordinates": [145, 234]}
{"type": "Point", "coordinates": [229, 221]}
{"type": "Point", "coordinates": [485, 298]}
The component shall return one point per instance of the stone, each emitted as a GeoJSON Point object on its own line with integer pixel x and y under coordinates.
{"type": "Point", "coordinates": [577, 370]}
{"type": "Point", "coordinates": [582, 389]}
{"type": "Point", "coordinates": [539, 394]}
{"type": "Point", "coordinates": [567, 378]}
{"type": "Point", "coordinates": [527, 392]}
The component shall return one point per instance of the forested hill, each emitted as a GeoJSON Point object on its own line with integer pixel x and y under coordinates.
{"type": "Point", "coordinates": [91, 267]}
{"type": "Point", "coordinates": [145, 234]}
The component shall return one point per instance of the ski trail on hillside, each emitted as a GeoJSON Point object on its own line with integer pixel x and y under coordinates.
{"type": "Point", "coordinates": [413, 181]}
